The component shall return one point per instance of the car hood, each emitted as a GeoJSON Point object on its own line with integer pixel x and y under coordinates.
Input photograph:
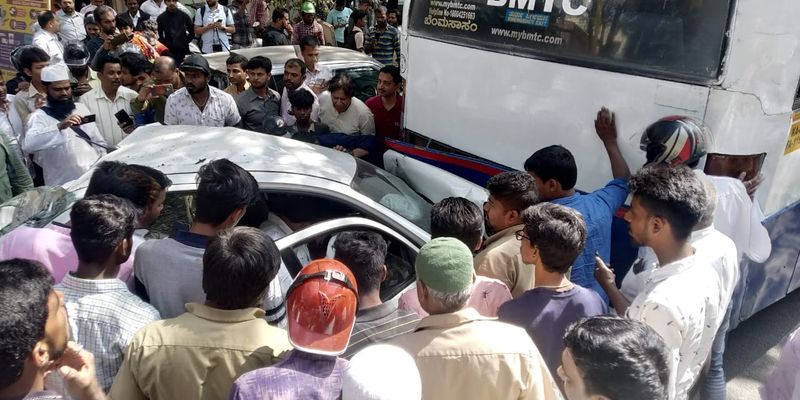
{"type": "Point", "coordinates": [177, 149]}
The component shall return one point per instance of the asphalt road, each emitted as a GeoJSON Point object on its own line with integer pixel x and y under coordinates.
{"type": "Point", "coordinates": [754, 346]}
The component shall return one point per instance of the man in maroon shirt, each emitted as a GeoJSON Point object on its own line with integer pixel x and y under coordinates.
{"type": "Point", "coordinates": [387, 106]}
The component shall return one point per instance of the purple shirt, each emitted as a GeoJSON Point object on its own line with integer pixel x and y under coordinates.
{"type": "Point", "coordinates": [546, 314]}
{"type": "Point", "coordinates": [300, 376]}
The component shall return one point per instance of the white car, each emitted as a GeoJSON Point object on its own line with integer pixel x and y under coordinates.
{"type": "Point", "coordinates": [350, 194]}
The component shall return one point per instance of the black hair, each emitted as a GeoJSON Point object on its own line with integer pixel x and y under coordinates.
{"type": "Point", "coordinates": [238, 266]}
{"type": "Point", "coordinates": [260, 62]}
{"type": "Point", "coordinates": [558, 232]}
{"type": "Point", "coordinates": [99, 224]}
{"type": "Point", "coordinates": [222, 188]}
{"type": "Point", "coordinates": [122, 180]}
{"type": "Point", "coordinates": [458, 218]}
{"type": "Point", "coordinates": [235, 58]}
{"type": "Point", "coordinates": [107, 59]}
{"type": "Point", "coordinates": [89, 20]}
{"type": "Point", "coordinates": [44, 18]}
{"type": "Point", "coordinates": [554, 162]}
{"type": "Point", "coordinates": [30, 56]}
{"type": "Point", "coordinates": [619, 358]}
{"type": "Point", "coordinates": [516, 190]}
{"type": "Point", "coordinates": [308, 41]}
{"type": "Point", "coordinates": [394, 72]}
{"type": "Point", "coordinates": [25, 287]}
{"type": "Point", "coordinates": [161, 178]}
{"type": "Point", "coordinates": [344, 82]}
{"type": "Point", "coordinates": [673, 193]}
{"type": "Point", "coordinates": [135, 63]}
{"type": "Point", "coordinates": [125, 181]}
{"type": "Point", "coordinates": [122, 23]}
{"type": "Point", "coordinates": [297, 63]}
{"type": "Point", "coordinates": [358, 14]}
{"type": "Point", "coordinates": [364, 253]}
{"type": "Point", "coordinates": [279, 13]}
{"type": "Point", "coordinates": [301, 99]}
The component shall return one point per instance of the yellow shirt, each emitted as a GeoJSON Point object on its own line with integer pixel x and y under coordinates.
{"type": "Point", "coordinates": [464, 355]}
{"type": "Point", "coordinates": [197, 355]}
{"type": "Point", "coordinates": [501, 259]}
{"type": "Point", "coordinates": [234, 91]}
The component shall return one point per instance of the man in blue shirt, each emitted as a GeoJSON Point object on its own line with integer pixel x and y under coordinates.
{"type": "Point", "coordinates": [555, 172]}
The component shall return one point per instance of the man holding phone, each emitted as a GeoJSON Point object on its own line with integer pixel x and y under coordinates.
{"type": "Point", "coordinates": [60, 136]}
{"type": "Point", "coordinates": [109, 99]}
{"type": "Point", "coordinates": [213, 23]}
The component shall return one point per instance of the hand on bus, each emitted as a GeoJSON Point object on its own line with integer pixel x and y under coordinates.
{"type": "Point", "coordinates": [752, 185]}
{"type": "Point", "coordinates": [606, 125]}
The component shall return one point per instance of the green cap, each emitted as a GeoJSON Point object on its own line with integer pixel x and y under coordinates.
{"type": "Point", "coordinates": [445, 265]}
{"type": "Point", "coordinates": [308, 8]}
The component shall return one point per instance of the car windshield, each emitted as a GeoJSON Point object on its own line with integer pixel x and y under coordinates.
{"type": "Point", "coordinates": [35, 208]}
{"type": "Point", "coordinates": [391, 192]}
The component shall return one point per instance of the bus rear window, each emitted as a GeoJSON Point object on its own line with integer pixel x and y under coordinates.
{"type": "Point", "coordinates": [673, 39]}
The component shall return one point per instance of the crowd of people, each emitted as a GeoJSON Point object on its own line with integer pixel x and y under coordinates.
{"type": "Point", "coordinates": [88, 82]}
{"type": "Point", "coordinates": [512, 301]}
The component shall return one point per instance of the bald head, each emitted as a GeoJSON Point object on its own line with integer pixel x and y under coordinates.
{"type": "Point", "coordinates": [164, 69]}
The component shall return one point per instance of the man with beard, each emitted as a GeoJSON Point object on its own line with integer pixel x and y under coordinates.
{"type": "Point", "coordinates": [198, 103]}
{"type": "Point", "coordinates": [106, 19]}
{"type": "Point", "coordinates": [308, 25]}
{"type": "Point", "coordinates": [259, 103]}
{"type": "Point", "coordinates": [383, 40]}
{"type": "Point", "coordinates": [294, 76]}
{"type": "Point", "coordinates": [387, 106]}
{"type": "Point", "coordinates": [34, 339]}
{"type": "Point", "coordinates": [71, 23]}
{"type": "Point", "coordinates": [110, 98]}
{"type": "Point", "coordinates": [278, 32]}
{"type": "Point", "coordinates": [175, 30]}
{"type": "Point", "coordinates": [509, 194]}
{"type": "Point", "coordinates": [61, 142]}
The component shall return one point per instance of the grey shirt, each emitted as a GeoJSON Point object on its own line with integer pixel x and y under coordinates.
{"type": "Point", "coordinates": [171, 272]}
{"type": "Point", "coordinates": [255, 110]}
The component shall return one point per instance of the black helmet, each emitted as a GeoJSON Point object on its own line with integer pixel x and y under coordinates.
{"type": "Point", "coordinates": [196, 62]}
{"type": "Point", "coordinates": [16, 56]}
{"type": "Point", "coordinates": [675, 140]}
{"type": "Point", "coordinates": [275, 126]}
{"type": "Point", "coordinates": [75, 54]}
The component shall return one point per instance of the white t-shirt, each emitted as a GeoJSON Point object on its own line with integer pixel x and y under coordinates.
{"type": "Point", "coordinates": [214, 36]}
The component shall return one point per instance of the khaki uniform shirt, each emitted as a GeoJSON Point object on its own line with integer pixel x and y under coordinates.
{"type": "Point", "coordinates": [234, 91]}
{"type": "Point", "coordinates": [501, 259]}
{"type": "Point", "coordinates": [197, 355]}
{"type": "Point", "coordinates": [463, 355]}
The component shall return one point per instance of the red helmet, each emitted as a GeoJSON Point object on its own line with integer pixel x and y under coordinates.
{"type": "Point", "coordinates": [675, 140]}
{"type": "Point", "coordinates": [321, 305]}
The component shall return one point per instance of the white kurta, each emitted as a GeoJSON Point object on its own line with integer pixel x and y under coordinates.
{"type": "Point", "coordinates": [62, 154]}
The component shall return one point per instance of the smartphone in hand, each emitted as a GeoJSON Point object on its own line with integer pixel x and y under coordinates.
{"type": "Point", "coordinates": [88, 119]}
{"type": "Point", "coordinates": [123, 118]}
{"type": "Point", "coordinates": [120, 39]}
{"type": "Point", "coordinates": [161, 90]}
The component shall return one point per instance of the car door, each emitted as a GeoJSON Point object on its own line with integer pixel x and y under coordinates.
{"type": "Point", "coordinates": [318, 241]}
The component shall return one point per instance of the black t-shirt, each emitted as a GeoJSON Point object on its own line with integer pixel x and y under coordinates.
{"type": "Point", "coordinates": [274, 37]}
{"type": "Point", "coordinates": [176, 30]}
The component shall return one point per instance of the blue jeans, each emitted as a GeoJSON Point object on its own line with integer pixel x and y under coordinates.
{"type": "Point", "coordinates": [714, 384]}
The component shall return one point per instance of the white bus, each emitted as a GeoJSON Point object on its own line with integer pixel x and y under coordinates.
{"type": "Point", "coordinates": [499, 79]}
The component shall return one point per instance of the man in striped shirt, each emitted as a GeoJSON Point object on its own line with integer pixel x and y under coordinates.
{"type": "Point", "coordinates": [365, 254]}
{"type": "Point", "coordinates": [103, 315]}
{"type": "Point", "coordinates": [383, 40]}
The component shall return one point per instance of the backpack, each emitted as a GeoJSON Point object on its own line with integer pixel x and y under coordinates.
{"type": "Point", "coordinates": [225, 12]}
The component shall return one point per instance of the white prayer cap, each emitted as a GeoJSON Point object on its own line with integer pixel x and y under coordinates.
{"type": "Point", "coordinates": [381, 372]}
{"type": "Point", "coordinates": [55, 73]}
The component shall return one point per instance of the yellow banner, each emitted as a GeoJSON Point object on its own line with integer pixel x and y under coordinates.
{"type": "Point", "coordinates": [793, 143]}
{"type": "Point", "coordinates": [16, 19]}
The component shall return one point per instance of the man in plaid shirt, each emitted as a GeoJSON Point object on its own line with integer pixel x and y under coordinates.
{"type": "Point", "coordinates": [243, 35]}
{"type": "Point", "coordinates": [308, 26]}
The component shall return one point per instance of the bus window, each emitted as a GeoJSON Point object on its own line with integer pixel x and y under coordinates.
{"type": "Point", "coordinates": [673, 39]}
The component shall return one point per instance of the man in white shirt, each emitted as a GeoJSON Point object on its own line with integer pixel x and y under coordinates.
{"type": "Point", "coordinates": [294, 75]}
{"type": "Point", "coordinates": [62, 143]}
{"type": "Point", "coordinates": [317, 75]}
{"type": "Point", "coordinates": [685, 297]}
{"type": "Point", "coordinates": [212, 24]}
{"type": "Point", "coordinates": [199, 103]}
{"type": "Point", "coordinates": [155, 8]}
{"type": "Point", "coordinates": [46, 38]}
{"type": "Point", "coordinates": [347, 114]}
{"type": "Point", "coordinates": [71, 22]}
{"type": "Point", "coordinates": [89, 8]}
{"type": "Point", "coordinates": [108, 99]}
